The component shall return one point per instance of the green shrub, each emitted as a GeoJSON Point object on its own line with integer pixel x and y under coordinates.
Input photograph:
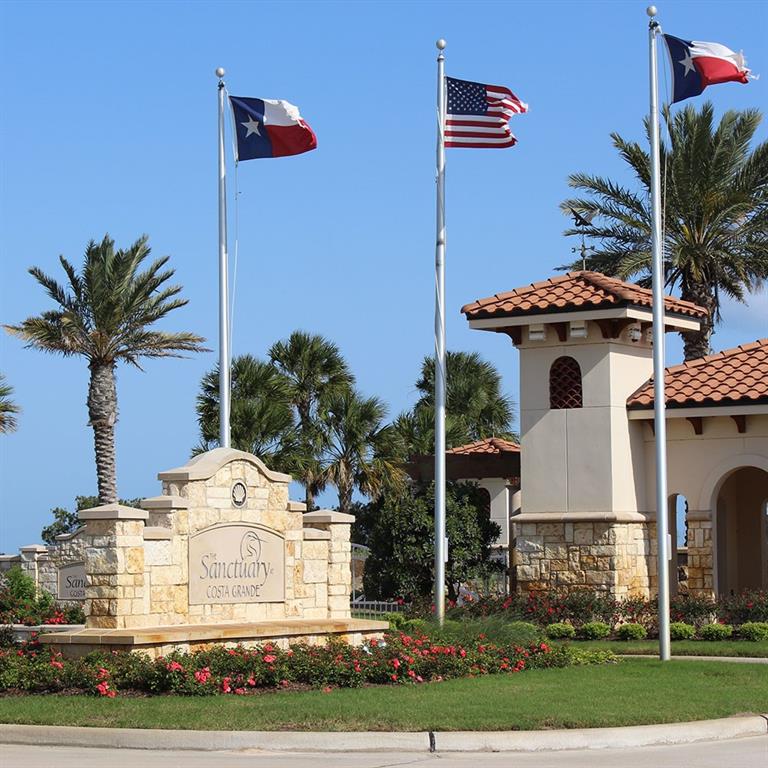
{"type": "Point", "coordinates": [679, 630]}
{"type": "Point", "coordinates": [754, 630]}
{"type": "Point", "coordinates": [715, 631]}
{"type": "Point", "coordinates": [631, 631]}
{"type": "Point", "coordinates": [560, 631]}
{"type": "Point", "coordinates": [494, 629]}
{"type": "Point", "coordinates": [594, 630]}
{"type": "Point", "coordinates": [396, 620]}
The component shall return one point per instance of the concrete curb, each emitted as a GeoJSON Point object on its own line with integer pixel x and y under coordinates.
{"type": "Point", "coordinates": [441, 741]}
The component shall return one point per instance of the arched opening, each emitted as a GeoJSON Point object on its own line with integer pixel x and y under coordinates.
{"type": "Point", "coordinates": [565, 384]}
{"type": "Point", "coordinates": [678, 532]}
{"type": "Point", "coordinates": [742, 531]}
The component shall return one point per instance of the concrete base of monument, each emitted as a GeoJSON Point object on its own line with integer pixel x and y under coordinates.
{"type": "Point", "coordinates": [158, 641]}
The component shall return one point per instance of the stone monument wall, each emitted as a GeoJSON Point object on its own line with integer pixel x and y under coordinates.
{"type": "Point", "coordinates": [617, 558]}
{"type": "Point", "coordinates": [223, 543]}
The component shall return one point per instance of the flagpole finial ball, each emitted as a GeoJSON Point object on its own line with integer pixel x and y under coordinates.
{"type": "Point", "coordinates": [441, 44]}
{"type": "Point", "coordinates": [651, 10]}
{"type": "Point", "coordinates": [220, 72]}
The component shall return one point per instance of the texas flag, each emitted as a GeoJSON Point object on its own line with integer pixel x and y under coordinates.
{"type": "Point", "coordinates": [269, 128]}
{"type": "Point", "coordinates": [695, 65]}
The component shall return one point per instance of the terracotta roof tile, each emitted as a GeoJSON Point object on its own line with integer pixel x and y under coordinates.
{"type": "Point", "coordinates": [591, 290]}
{"type": "Point", "coordinates": [491, 445]}
{"type": "Point", "coordinates": [738, 375]}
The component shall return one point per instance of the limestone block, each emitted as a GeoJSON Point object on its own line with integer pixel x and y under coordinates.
{"type": "Point", "coordinates": [530, 544]}
{"type": "Point", "coordinates": [104, 560]}
{"type": "Point", "coordinates": [555, 552]}
{"type": "Point", "coordinates": [315, 571]}
{"type": "Point", "coordinates": [100, 622]}
{"type": "Point", "coordinates": [134, 559]}
{"type": "Point", "coordinates": [338, 603]}
{"type": "Point", "coordinates": [339, 574]}
{"type": "Point", "coordinates": [568, 533]}
{"type": "Point", "coordinates": [583, 533]}
{"type": "Point", "coordinates": [315, 550]}
{"type": "Point", "coordinates": [528, 573]}
{"type": "Point", "coordinates": [598, 578]}
{"type": "Point", "coordinates": [165, 575]}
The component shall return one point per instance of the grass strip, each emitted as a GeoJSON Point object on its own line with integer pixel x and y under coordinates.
{"type": "Point", "coordinates": [632, 692]}
{"type": "Point", "coordinates": [741, 648]}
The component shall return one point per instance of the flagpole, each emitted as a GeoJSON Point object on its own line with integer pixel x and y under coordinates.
{"type": "Point", "coordinates": [440, 373]}
{"type": "Point", "coordinates": [660, 423]}
{"type": "Point", "coordinates": [224, 391]}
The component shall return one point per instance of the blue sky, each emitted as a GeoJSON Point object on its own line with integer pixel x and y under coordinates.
{"type": "Point", "coordinates": [109, 125]}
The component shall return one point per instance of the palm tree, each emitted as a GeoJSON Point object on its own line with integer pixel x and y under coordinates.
{"type": "Point", "coordinates": [715, 202]}
{"type": "Point", "coordinates": [103, 315]}
{"type": "Point", "coordinates": [261, 417]}
{"type": "Point", "coordinates": [475, 406]}
{"type": "Point", "coordinates": [315, 371]}
{"type": "Point", "coordinates": [360, 451]}
{"type": "Point", "coordinates": [8, 409]}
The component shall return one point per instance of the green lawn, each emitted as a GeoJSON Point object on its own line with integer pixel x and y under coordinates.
{"type": "Point", "coordinates": [634, 691]}
{"type": "Point", "coordinates": [680, 647]}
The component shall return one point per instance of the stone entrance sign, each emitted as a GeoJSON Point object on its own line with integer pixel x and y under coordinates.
{"type": "Point", "coordinates": [236, 563]}
{"type": "Point", "coordinates": [71, 582]}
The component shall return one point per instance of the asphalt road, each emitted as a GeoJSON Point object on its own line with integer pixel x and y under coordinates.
{"type": "Point", "coordinates": [751, 752]}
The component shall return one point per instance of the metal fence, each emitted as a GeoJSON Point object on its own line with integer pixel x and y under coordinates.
{"type": "Point", "coordinates": [374, 609]}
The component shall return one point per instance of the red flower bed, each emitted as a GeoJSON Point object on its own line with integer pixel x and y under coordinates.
{"type": "Point", "coordinates": [400, 659]}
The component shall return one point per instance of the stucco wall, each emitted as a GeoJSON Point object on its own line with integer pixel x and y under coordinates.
{"type": "Point", "coordinates": [582, 459]}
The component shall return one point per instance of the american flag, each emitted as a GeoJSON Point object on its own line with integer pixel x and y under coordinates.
{"type": "Point", "coordinates": [478, 115]}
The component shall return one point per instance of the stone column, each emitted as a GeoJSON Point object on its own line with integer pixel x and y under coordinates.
{"type": "Point", "coordinates": [339, 526]}
{"type": "Point", "coordinates": [114, 565]}
{"type": "Point", "coordinates": [701, 556]}
{"type": "Point", "coordinates": [31, 556]}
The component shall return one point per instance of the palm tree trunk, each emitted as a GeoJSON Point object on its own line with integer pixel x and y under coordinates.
{"type": "Point", "coordinates": [102, 412]}
{"type": "Point", "coordinates": [345, 495]}
{"type": "Point", "coordinates": [696, 344]}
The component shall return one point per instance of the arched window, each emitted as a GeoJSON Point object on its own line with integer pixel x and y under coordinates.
{"type": "Point", "coordinates": [565, 384]}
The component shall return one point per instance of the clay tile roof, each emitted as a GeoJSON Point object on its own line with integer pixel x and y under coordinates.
{"type": "Point", "coordinates": [491, 445]}
{"type": "Point", "coordinates": [584, 290]}
{"type": "Point", "coordinates": [735, 376]}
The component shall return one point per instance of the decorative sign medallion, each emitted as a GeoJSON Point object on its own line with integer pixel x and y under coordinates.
{"type": "Point", "coordinates": [239, 493]}
{"type": "Point", "coordinates": [71, 582]}
{"type": "Point", "coordinates": [236, 563]}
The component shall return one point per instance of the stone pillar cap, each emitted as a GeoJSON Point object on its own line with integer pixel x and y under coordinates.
{"type": "Point", "coordinates": [113, 512]}
{"type": "Point", "coordinates": [327, 516]}
{"type": "Point", "coordinates": [165, 502]}
{"type": "Point", "coordinates": [34, 548]}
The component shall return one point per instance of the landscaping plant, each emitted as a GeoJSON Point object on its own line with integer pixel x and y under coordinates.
{"type": "Point", "coordinates": [679, 630]}
{"type": "Point", "coordinates": [715, 631]}
{"type": "Point", "coordinates": [631, 631]}
{"type": "Point", "coordinates": [398, 659]}
{"type": "Point", "coordinates": [754, 631]}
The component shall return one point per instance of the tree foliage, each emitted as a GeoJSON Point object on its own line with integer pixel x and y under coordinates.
{"type": "Point", "coordinates": [399, 530]}
{"type": "Point", "coordinates": [715, 204]}
{"type": "Point", "coordinates": [299, 413]}
{"type": "Point", "coordinates": [104, 313]}
{"type": "Point", "coordinates": [8, 408]}
{"type": "Point", "coordinates": [476, 408]}
{"type": "Point", "coordinates": [65, 521]}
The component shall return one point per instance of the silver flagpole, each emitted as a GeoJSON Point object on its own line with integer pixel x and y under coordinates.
{"type": "Point", "coordinates": [223, 280]}
{"type": "Point", "coordinates": [660, 423]}
{"type": "Point", "coordinates": [440, 378]}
